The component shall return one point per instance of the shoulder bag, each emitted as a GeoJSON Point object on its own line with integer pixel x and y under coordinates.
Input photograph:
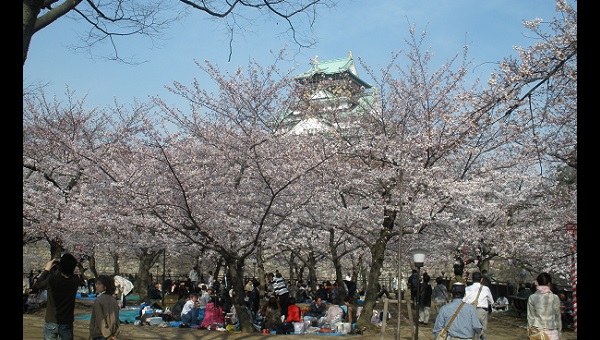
{"type": "Point", "coordinates": [537, 334]}
{"type": "Point", "coordinates": [443, 334]}
{"type": "Point", "coordinates": [474, 303]}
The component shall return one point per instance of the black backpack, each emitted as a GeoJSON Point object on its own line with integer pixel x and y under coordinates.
{"type": "Point", "coordinates": [413, 282]}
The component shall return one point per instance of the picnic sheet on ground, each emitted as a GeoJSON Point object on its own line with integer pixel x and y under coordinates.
{"type": "Point", "coordinates": [125, 315]}
{"type": "Point", "coordinates": [85, 297]}
{"type": "Point", "coordinates": [130, 297]}
{"type": "Point", "coordinates": [129, 316]}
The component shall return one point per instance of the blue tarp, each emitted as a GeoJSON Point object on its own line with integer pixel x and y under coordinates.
{"type": "Point", "coordinates": [88, 297]}
{"type": "Point", "coordinates": [125, 316]}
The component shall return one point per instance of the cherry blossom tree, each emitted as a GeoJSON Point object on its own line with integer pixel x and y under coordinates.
{"type": "Point", "coordinates": [76, 180]}
{"type": "Point", "coordinates": [224, 179]}
{"type": "Point", "coordinates": [438, 162]}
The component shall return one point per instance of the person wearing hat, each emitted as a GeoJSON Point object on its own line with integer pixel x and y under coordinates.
{"type": "Point", "coordinates": [466, 325]}
{"type": "Point", "coordinates": [205, 295]}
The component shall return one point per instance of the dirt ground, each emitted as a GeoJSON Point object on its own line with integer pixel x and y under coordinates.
{"type": "Point", "coordinates": [501, 326]}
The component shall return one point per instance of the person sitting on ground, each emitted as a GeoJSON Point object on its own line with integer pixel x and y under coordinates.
{"type": "Point", "coordinates": [292, 288]}
{"type": "Point", "coordinates": [334, 314]}
{"type": "Point", "coordinates": [334, 292]}
{"type": "Point", "coordinates": [226, 300]}
{"type": "Point", "coordinates": [322, 290]}
{"type": "Point", "coordinates": [271, 313]}
{"type": "Point", "coordinates": [350, 315]}
{"type": "Point", "coordinates": [204, 297]}
{"type": "Point", "coordinates": [382, 291]}
{"type": "Point", "coordinates": [213, 315]}
{"type": "Point", "coordinates": [189, 313]}
{"type": "Point", "coordinates": [293, 315]}
{"type": "Point", "coordinates": [501, 303]}
{"type": "Point", "coordinates": [301, 293]}
{"type": "Point", "coordinates": [310, 294]}
{"type": "Point", "coordinates": [178, 308]}
{"type": "Point", "coordinates": [183, 290]}
{"type": "Point", "coordinates": [154, 292]}
{"type": "Point", "coordinates": [166, 286]}
{"type": "Point", "coordinates": [232, 317]}
{"type": "Point", "coordinates": [316, 310]}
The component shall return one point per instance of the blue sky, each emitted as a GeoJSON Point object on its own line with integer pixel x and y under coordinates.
{"type": "Point", "coordinates": [372, 30]}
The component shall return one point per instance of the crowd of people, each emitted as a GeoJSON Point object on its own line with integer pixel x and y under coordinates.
{"type": "Point", "coordinates": [275, 309]}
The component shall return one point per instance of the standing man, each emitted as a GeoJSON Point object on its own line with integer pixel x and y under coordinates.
{"type": "Point", "coordinates": [280, 290]}
{"type": "Point", "coordinates": [413, 285]}
{"type": "Point", "coordinates": [466, 325]}
{"type": "Point", "coordinates": [58, 278]}
{"type": "Point", "coordinates": [486, 281]}
{"type": "Point", "coordinates": [484, 300]}
{"type": "Point", "coordinates": [458, 271]}
{"type": "Point", "coordinates": [403, 286]}
{"type": "Point", "coordinates": [425, 299]}
{"type": "Point", "coordinates": [194, 277]}
{"type": "Point", "coordinates": [485, 278]}
{"type": "Point", "coordinates": [211, 279]}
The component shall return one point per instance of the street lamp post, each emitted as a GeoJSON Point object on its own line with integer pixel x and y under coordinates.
{"type": "Point", "coordinates": [419, 260]}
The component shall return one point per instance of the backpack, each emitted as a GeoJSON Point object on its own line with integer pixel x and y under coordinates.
{"type": "Point", "coordinates": [413, 282]}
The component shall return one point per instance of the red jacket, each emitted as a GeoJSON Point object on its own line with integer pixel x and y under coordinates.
{"type": "Point", "coordinates": [293, 314]}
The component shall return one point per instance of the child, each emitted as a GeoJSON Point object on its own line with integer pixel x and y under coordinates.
{"type": "Point", "coordinates": [189, 313]}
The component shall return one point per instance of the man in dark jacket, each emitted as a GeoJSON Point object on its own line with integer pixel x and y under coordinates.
{"type": "Point", "coordinates": [316, 310]}
{"type": "Point", "coordinates": [59, 279]}
{"type": "Point", "coordinates": [413, 285]}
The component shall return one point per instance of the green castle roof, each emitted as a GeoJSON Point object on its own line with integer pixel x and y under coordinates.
{"type": "Point", "coordinates": [334, 66]}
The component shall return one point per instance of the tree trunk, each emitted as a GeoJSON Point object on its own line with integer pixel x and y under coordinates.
{"type": "Point", "coordinates": [377, 256]}
{"type": "Point", "coordinates": [92, 264]}
{"type": "Point", "coordinates": [146, 260]}
{"type": "Point", "coordinates": [337, 265]}
{"type": "Point", "coordinates": [312, 271]}
{"type": "Point", "coordinates": [236, 270]}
